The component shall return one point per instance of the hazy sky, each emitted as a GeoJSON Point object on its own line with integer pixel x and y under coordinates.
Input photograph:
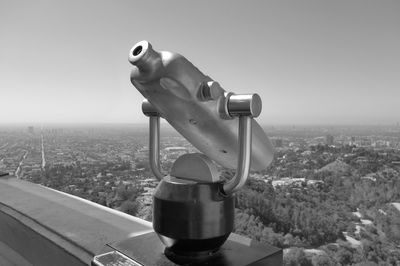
{"type": "Point", "coordinates": [311, 61]}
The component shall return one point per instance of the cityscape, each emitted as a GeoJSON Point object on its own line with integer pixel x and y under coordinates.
{"type": "Point", "coordinates": [330, 197]}
{"type": "Point", "coordinates": [320, 77]}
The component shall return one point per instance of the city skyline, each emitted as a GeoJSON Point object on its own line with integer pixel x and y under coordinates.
{"type": "Point", "coordinates": [311, 62]}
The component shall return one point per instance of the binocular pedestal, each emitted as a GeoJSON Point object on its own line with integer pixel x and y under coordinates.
{"type": "Point", "coordinates": [192, 219]}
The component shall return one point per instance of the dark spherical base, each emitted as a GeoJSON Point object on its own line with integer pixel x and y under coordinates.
{"type": "Point", "coordinates": [182, 255]}
{"type": "Point", "coordinates": [183, 259]}
{"type": "Point", "coordinates": [192, 219]}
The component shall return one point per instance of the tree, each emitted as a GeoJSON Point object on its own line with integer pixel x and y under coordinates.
{"type": "Point", "coordinates": [344, 256]}
{"type": "Point", "coordinates": [323, 260]}
{"type": "Point", "coordinates": [129, 207]}
{"type": "Point", "coordinates": [296, 257]}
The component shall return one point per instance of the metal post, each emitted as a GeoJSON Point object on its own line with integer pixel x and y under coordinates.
{"type": "Point", "coordinates": [154, 139]}
{"type": "Point", "coordinates": [154, 147]}
{"type": "Point", "coordinates": [244, 159]}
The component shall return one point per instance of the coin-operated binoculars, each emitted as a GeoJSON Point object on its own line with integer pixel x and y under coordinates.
{"type": "Point", "coordinates": [193, 209]}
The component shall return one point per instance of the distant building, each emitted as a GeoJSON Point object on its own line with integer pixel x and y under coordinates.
{"type": "Point", "coordinates": [31, 129]}
{"type": "Point", "coordinates": [176, 149]}
{"type": "Point", "coordinates": [142, 154]}
{"type": "Point", "coordinates": [172, 153]}
{"type": "Point", "coordinates": [329, 139]}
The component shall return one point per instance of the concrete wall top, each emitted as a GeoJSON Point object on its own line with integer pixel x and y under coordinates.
{"type": "Point", "coordinates": [84, 224]}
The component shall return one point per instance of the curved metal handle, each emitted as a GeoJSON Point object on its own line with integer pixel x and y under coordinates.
{"type": "Point", "coordinates": [154, 139]}
{"type": "Point", "coordinates": [244, 106]}
{"type": "Point", "coordinates": [154, 147]}
{"type": "Point", "coordinates": [244, 159]}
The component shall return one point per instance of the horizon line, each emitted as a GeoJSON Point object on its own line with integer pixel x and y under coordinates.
{"type": "Point", "coordinates": [163, 122]}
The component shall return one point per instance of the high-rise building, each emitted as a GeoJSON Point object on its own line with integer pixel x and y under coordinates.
{"type": "Point", "coordinates": [31, 129]}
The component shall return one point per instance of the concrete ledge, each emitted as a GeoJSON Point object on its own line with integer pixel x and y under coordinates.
{"type": "Point", "coordinates": [8, 257]}
{"type": "Point", "coordinates": [48, 227]}
{"type": "Point", "coordinates": [35, 243]}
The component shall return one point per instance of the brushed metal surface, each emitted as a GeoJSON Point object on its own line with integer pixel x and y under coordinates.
{"type": "Point", "coordinates": [175, 87]}
{"type": "Point", "coordinates": [244, 105]}
{"type": "Point", "coordinates": [196, 167]}
{"type": "Point", "coordinates": [243, 166]}
{"type": "Point", "coordinates": [154, 145]}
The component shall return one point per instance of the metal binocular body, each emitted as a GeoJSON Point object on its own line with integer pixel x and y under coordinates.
{"type": "Point", "coordinates": [193, 209]}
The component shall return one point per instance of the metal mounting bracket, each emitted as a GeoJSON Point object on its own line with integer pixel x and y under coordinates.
{"type": "Point", "coordinates": [242, 106]}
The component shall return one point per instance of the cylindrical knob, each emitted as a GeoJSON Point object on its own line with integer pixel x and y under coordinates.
{"type": "Point", "coordinates": [244, 105]}
{"type": "Point", "coordinates": [210, 91]}
{"type": "Point", "coordinates": [148, 109]}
